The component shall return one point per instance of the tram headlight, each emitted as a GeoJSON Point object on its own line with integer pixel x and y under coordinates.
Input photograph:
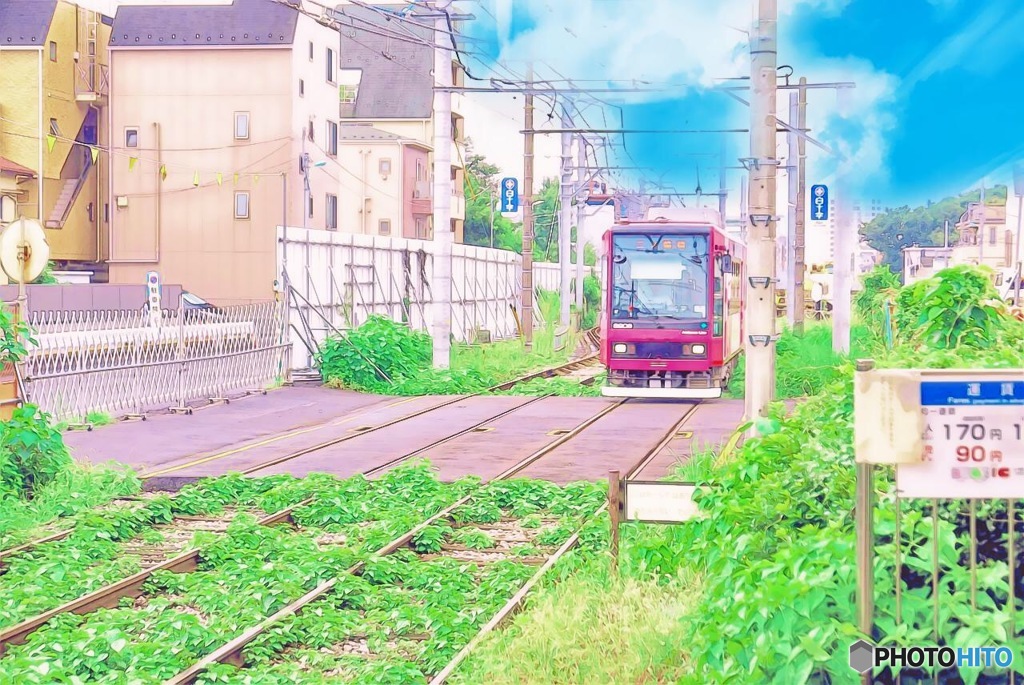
{"type": "Point", "coordinates": [619, 348]}
{"type": "Point", "coordinates": [696, 349]}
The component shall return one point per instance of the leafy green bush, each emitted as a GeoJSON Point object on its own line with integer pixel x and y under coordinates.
{"type": "Point", "coordinates": [776, 545]}
{"type": "Point", "coordinates": [880, 288]}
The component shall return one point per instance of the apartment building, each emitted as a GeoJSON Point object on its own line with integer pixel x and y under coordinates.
{"type": "Point", "coordinates": [387, 82]}
{"type": "Point", "coordinates": [997, 248]}
{"type": "Point", "coordinates": [385, 183]}
{"type": "Point", "coordinates": [213, 109]}
{"type": "Point", "coordinates": [53, 122]}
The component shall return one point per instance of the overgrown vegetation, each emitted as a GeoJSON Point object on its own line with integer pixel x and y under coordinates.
{"type": "Point", "coordinates": [38, 480]}
{"type": "Point", "coordinates": [386, 357]}
{"type": "Point", "coordinates": [774, 545]}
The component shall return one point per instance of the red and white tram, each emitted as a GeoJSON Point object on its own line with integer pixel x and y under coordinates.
{"type": "Point", "coordinates": [672, 305]}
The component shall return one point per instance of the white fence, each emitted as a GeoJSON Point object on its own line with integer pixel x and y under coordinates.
{"type": "Point", "coordinates": [340, 279]}
{"type": "Point", "coordinates": [124, 362]}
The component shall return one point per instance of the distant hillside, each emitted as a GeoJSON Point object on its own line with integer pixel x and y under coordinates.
{"type": "Point", "coordinates": [922, 225]}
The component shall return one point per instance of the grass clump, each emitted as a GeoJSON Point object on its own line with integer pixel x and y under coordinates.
{"type": "Point", "coordinates": [592, 627]}
{"type": "Point", "coordinates": [387, 357]}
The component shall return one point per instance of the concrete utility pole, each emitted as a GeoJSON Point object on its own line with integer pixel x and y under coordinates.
{"type": "Point", "coordinates": [581, 206]}
{"type": "Point", "coordinates": [760, 300]}
{"type": "Point", "coordinates": [981, 228]}
{"type": "Point", "coordinates": [842, 268]}
{"type": "Point", "coordinates": [1018, 190]}
{"type": "Point", "coordinates": [565, 220]}
{"type": "Point", "coordinates": [744, 197]}
{"type": "Point", "coordinates": [441, 287]}
{"type": "Point", "coordinates": [792, 180]}
{"type": "Point", "coordinates": [527, 277]}
{"type": "Point", "coordinates": [799, 262]}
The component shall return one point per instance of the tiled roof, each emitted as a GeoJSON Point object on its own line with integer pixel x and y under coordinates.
{"type": "Point", "coordinates": [25, 22]}
{"type": "Point", "coordinates": [7, 166]}
{"type": "Point", "coordinates": [243, 22]}
{"type": "Point", "coordinates": [401, 87]}
{"type": "Point", "coordinates": [365, 132]}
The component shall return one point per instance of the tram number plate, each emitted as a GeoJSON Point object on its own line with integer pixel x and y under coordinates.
{"type": "Point", "coordinates": [973, 446]}
{"type": "Point", "coordinates": [659, 502]}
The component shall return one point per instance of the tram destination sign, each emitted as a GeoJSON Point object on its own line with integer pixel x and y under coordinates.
{"type": "Point", "coordinates": [973, 440]}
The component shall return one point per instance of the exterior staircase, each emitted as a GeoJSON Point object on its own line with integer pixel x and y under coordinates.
{"type": "Point", "coordinates": [68, 194]}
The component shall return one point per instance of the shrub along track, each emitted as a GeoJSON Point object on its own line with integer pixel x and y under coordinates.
{"type": "Point", "coordinates": [378, 624]}
{"type": "Point", "coordinates": [565, 369]}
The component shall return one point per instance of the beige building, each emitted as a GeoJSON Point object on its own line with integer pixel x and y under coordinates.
{"type": "Point", "coordinates": [920, 262]}
{"type": "Point", "coordinates": [388, 84]}
{"type": "Point", "coordinates": [213, 107]}
{"type": "Point", "coordinates": [53, 120]}
{"type": "Point", "coordinates": [997, 248]}
{"type": "Point", "coordinates": [387, 190]}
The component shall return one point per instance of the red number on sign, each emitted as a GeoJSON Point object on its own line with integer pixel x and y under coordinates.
{"type": "Point", "coordinates": [965, 453]}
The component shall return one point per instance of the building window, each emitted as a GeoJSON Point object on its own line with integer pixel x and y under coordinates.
{"type": "Point", "coordinates": [421, 228]}
{"type": "Point", "coordinates": [54, 128]}
{"type": "Point", "coordinates": [384, 166]}
{"type": "Point", "coordinates": [241, 126]}
{"type": "Point", "coordinates": [384, 227]}
{"type": "Point", "coordinates": [992, 235]}
{"type": "Point", "coordinates": [332, 138]}
{"type": "Point", "coordinates": [131, 137]}
{"type": "Point", "coordinates": [242, 205]}
{"type": "Point", "coordinates": [421, 170]}
{"type": "Point", "coordinates": [330, 66]}
{"type": "Point", "coordinates": [309, 209]}
{"type": "Point", "coordinates": [310, 51]}
{"type": "Point", "coordinates": [53, 51]}
{"type": "Point", "coordinates": [8, 209]}
{"type": "Point", "coordinates": [332, 212]}
{"type": "Point", "coordinates": [92, 48]}
{"type": "Point", "coordinates": [302, 88]}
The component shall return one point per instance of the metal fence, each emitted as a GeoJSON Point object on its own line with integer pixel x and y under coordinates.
{"type": "Point", "coordinates": [940, 517]}
{"type": "Point", "coordinates": [128, 362]}
{"type": "Point", "coordinates": [339, 280]}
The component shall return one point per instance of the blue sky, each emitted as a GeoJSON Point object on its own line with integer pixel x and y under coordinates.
{"type": "Point", "coordinates": [934, 111]}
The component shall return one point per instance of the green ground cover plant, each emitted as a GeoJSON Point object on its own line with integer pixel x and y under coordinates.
{"type": "Point", "coordinates": [387, 357]}
{"type": "Point", "coordinates": [245, 575]}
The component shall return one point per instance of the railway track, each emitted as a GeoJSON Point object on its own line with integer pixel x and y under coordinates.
{"type": "Point", "coordinates": [566, 369]}
{"type": "Point", "coordinates": [176, 558]}
{"type": "Point", "coordinates": [233, 652]}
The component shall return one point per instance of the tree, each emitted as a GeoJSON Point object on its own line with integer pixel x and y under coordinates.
{"type": "Point", "coordinates": [480, 187]}
{"type": "Point", "coordinates": [903, 226]}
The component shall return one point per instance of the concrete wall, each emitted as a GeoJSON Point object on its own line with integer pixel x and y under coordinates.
{"type": "Point", "coordinates": [92, 297]}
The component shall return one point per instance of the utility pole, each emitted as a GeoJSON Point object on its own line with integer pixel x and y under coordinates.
{"type": "Point", "coordinates": [527, 277]}
{"type": "Point", "coordinates": [799, 262]}
{"type": "Point", "coordinates": [441, 287]}
{"type": "Point", "coordinates": [981, 228]}
{"type": "Point", "coordinates": [490, 194]}
{"type": "Point", "coordinates": [581, 206]}
{"type": "Point", "coordinates": [722, 191]}
{"type": "Point", "coordinates": [760, 300]}
{"type": "Point", "coordinates": [565, 219]}
{"type": "Point", "coordinates": [744, 197]}
{"type": "Point", "coordinates": [792, 180]}
{"type": "Point", "coordinates": [843, 267]}
{"type": "Point", "coordinates": [1018, 190]}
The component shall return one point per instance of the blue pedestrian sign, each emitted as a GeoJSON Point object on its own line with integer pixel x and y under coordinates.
{"type": "Point", "coordinates": [509, 195]}
{"type": "Point", "coordinates": [819, 203]}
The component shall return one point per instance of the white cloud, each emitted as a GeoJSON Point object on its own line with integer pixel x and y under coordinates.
{"type": "Point", "coordinates": [691, 43]}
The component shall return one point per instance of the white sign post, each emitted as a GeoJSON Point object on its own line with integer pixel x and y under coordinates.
{"type": "Point", "coordinates": [641, 501]}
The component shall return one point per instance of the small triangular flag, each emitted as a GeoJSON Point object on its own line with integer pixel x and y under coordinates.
{"type": "Point", "coordinates": [235, 179]}
{"type": "Point", "coordinates": [220, 178]}
{"type": "Point", "coordinates": [50, 142]}
{"type": "Point", "coordinates": [95, 153]}
{"type": "Point", "coordinates": [195, 179]}
{"type": "Point", "coordinates": [163, 172]}
{"type": "Point", "coordinates": [256, 179]}
{"type": "Point", "coordinates": [131, 163]}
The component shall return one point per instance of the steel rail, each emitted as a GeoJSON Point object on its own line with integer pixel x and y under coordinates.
{"type": "Point", "coordinates": [232, 651]}
{"type": "Point", "coordinates": [294, 432]}
{"type": "Point", "coordinates": [514, 605]}
{"type": "Point", "coordinates": [186, 562]}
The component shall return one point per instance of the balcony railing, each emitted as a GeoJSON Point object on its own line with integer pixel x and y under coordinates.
{"type": "Point", "coordinates": [92, 81]}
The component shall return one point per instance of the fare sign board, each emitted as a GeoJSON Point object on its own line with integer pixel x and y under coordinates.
{"type": "Point", "coordinates": [973, 441]}
{"type": "Point", "coordinates": [659, 502]}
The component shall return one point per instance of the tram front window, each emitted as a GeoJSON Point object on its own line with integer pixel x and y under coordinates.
{"type": "Point", "coordinates": [659, 277]}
